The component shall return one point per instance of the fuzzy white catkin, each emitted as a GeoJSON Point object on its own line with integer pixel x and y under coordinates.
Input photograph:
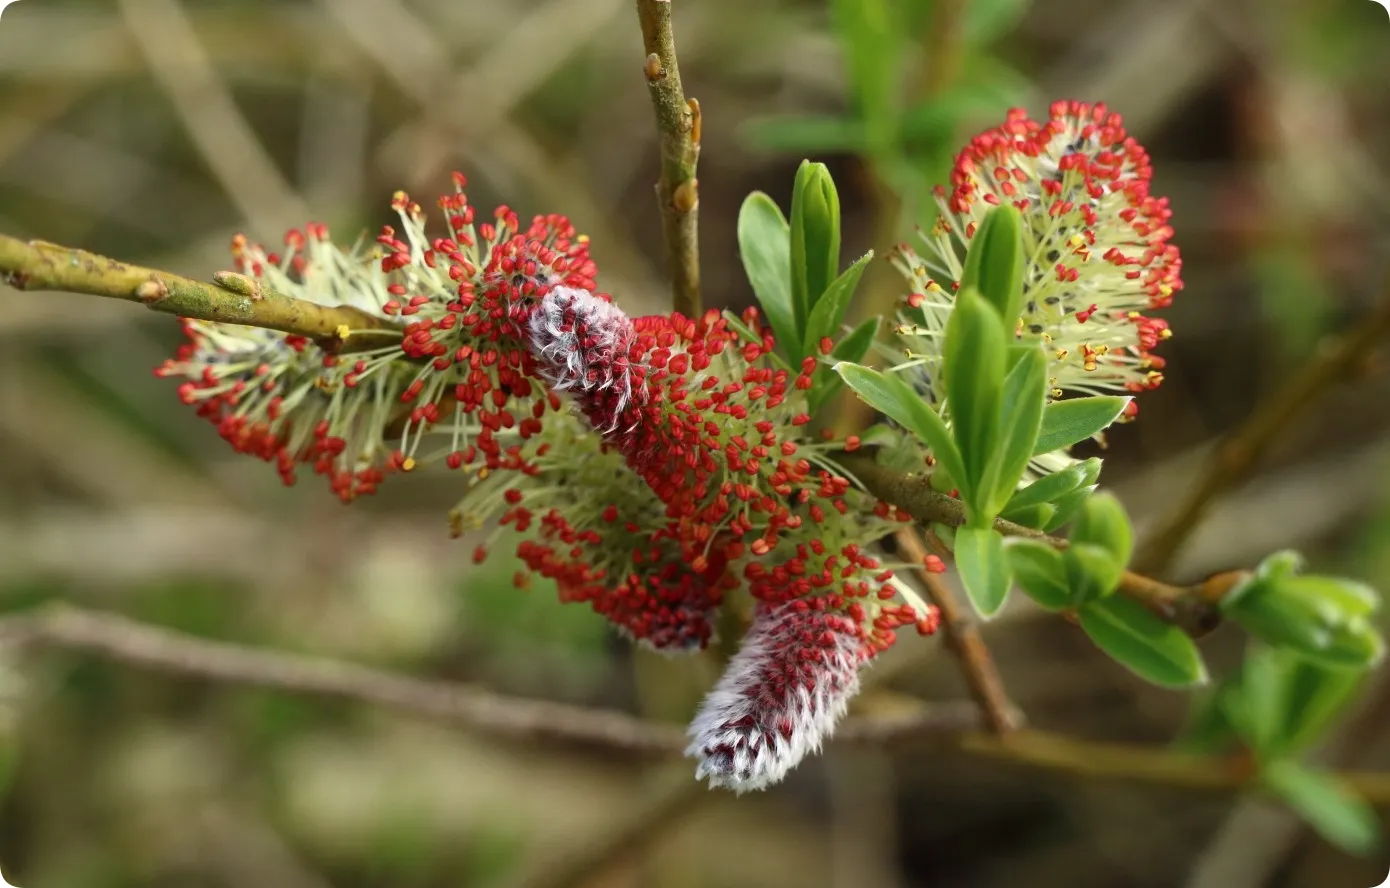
{"type": "Point", "coordinates": [735, 734]}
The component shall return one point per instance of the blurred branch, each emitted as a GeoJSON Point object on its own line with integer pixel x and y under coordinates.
{"type": "Point", "coordinates": [1192, 608]}
{"type": "Point", "coordinates": [123, 640]}
{"type": "Point", "coordinates": [169, 42]}
{"type": "Point", "coordinates": [1236, 458]}
{"type": "Point", "coordinates": [678, 126]}
{"type": "Point", "coordinates": [232, 299]}
{"type": "Point", "coordinates": [963, 637]}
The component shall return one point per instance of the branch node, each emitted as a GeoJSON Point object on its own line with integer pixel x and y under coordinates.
{"type": "Point", "coordinates": [687, 196]}
{"type": "Point", "coordinates": [152, 291]}
{"type": "Point", "coordinates": [240, 284]}
{"type": "Point", "coordinates": [653, 68]}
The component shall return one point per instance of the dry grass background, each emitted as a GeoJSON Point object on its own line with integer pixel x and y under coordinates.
{"type": "Point", "coordinates": [155, 129]}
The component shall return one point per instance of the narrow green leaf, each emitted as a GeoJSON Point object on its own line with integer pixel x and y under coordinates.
{"type": "Point", "coordinates": [1068, 505]}
{"type": "Point", "coordinates": [825, 382]}
{"type": "Point", "coordinates": [983, 567]}
{"type": "Point", "coordinates": [896, 399]}
{"type": "Point", "coordinates": [1257, 701]}
{"type": "Point", "coordinates": [815, 239]}
{"type": "Point", "coordinates": [1316, 695]}
{"type": "Point", "coordinates": [1039, 572]}
{"type": "Point", "coordinates": [1143, 643]}
{"type": "Point", "coordinates": [1049, 487]}
{"type": "Point", "coordinates": [829, 312]}
{"type": "Point", "coordinates": [1341, 596]}
{"type": "Point", "coordinates": [857, 342]}
{"type": "Point", "coordinates": [1208, 731]}
{"type": "Point", "coordinates": [1092, 571]}
{"type": "Point", "coordinates": [1283, 612]}
{"type": "Point", "coordinates": [1076, 419]}
{"type": "Point", "coordinates": [994, 263]}
{"type": "Point", "coordinates": [764, 243]}
{"type": "Point", "coordinates": [1035, 516]}
{"type": "Point", "coordinates": [1329, 807]}
{"type": "Point", "coordinates": [1104, 523]}
{"type": "Point", "coordinates": [975, 352]}
{"type": "Point", "coordinates": [1024, 395]}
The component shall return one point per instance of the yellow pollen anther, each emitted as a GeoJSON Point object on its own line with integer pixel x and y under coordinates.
{"type": "Point", "coordinates": [1077, 241]}
{"type": "Point", "coordinates": [343, 332]}
{"type": "Point", "coordinates": [582, 239]}
{"type": "Point", "coordinates": [483, 473]}
{"type": "Point", "coordinates": [1165, 290]}
{"type": "Point", "coordinates": [1165, 333]}
{"type": "Point", "coordinates": [1061, 354]}
{"type": "Point", "coordinates": [408, 464]}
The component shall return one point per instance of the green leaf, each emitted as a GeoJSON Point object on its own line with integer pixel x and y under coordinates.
{"type": "Point", "coordinates": [1329, 807]}
{"type": "Point", "coordinates": [1315, 696]}
{"type": "Point", "coordinates": [1068, 505]}
{"type": "Point", "coordinates": [1104, 523]}
{"type": "Point", "coordinates": [1050, 487]}
{"type": "Point", "coordinates": [983, 567]}
{"type": "Point", "coordinates": [1076, 419]}
{"type": "Point", "coordinates": [871, 44]}
{"type": "Point", "coordinates": [1039, 572]}
{"type": "Point", "coordinates": [1342, 596]}
{"type": "Point", "coordinates": [815, 239]}
{"type": "Point", "coordinates": [1208, 731]}
{"type": "Point", "coordinates": [1143, 643]}
{"type": "Point", "coordinates": [825, 382]}
{"type": "Point", "coordinates": [829, 311]}
{"type": "Point", "coordinates": [857, 342]}
{"type": "Point", "coordinates": [1284, 611]}
{"type": "Point", "coordinates": [1092, 571]}
{"type": "Point", "coordinates": [975, 353]}
{"type": "Point", "coordinates": [1035, 516]}
{"type": "Point", "coordinates": [1256, 702]}
{"type": "Point", "coordinates": [994, 263]}
{"type": "Point", "coordinates": [1024, 395]}
{"type": "Point", "coordinates": [764, 243]}
{"type": "Point", "coordinates": [896, 399]}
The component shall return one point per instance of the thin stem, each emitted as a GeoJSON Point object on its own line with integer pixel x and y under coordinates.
{"type": "Point", "coordinates": [126, 641]}
{"type": "Point", "coordinates": [678, 129]}
{"type": "Point", "coordinates": [963, 637]}
{"type": "Point", "coordinates": [233, 299]}
{"type": "Point", "coordinates": [1193, 608]}
{"type": "Point", "coordinates": [1236, 458]}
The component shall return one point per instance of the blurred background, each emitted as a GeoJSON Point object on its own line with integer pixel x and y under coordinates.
{"type": "Point", "coordinates": [152, 130]}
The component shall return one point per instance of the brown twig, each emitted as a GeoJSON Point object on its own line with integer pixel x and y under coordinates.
{"type": "Point", "coordinates": [1237, 457]}
{"type": "Point", "coordinates": [678, 126]}
{"type": "Point", "coordinates": [963, 636]}
{"type": "Point", "coordinates": [234, 299]}
{"type": "Point", "coordinates": [1193, 608]}
{"type": "Point", "coordinates": [126, 641]}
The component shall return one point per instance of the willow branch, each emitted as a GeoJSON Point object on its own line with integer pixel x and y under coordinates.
{"type": "Point", "coordinates": [963, 637]}
{"type": "Point", "coordinates": [230, 299]}
{"type": "Point", "coordinates": [126, 641]}
{"type": "Point", "coordinates": [1236, 458]}
{"type": "Point", "coordinates": [1193, 608]}
{"type": "Point", "coordinates": [678, 129]}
